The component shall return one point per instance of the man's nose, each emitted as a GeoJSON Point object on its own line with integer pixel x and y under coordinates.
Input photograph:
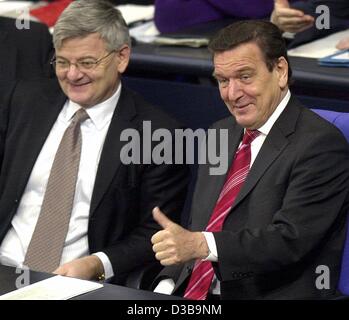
{"type": "Point", "coordinates": [234, 90]}
{"type": "Point", "coordinates": [73, 72]}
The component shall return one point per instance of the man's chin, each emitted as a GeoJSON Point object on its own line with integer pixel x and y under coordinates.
{"type": "Point", "coordinates": [246, 123]}
{"type": "Point", "coordinates": [80, 101]}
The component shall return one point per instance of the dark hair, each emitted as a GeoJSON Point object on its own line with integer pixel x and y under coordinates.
{"type": "Point", "coordinates": [265, 34]}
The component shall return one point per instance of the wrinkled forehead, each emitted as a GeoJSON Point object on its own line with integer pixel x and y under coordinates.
{"type": "Point", "coordinates": [89, 45]}
{"type": "Point", "coordinates": [246, 55]}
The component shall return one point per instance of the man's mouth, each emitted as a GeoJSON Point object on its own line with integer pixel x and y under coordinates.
{"type": "Point", "coordinates": [77, 85]}
{"type": "Point", "coordinates": [241, 106]}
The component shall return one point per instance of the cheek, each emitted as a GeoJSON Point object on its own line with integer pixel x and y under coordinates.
{"type": "Point", "coordinates": [61, 77]}
{"type": "Point", "coordinates": [252, 91]}
{"type": "Point", "coordinates": [224, 94]}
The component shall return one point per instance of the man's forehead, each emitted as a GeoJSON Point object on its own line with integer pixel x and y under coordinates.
{"type": "Point", "coordinates": [236, 64]}
{"type": "Point", "coordinates": [244, 56]}
{"type": "Point", "coordinates": [89, 45]}
{"type": "Point", "coordinates": [249, 49]}
{"type": "Point", "coordinates": [92, 40]}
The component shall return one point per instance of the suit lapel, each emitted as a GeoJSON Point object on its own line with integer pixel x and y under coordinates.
{"type": "Point", "coordinates": [214, 183]}
{"type": "Point", "coordinates": [42, 117]}
{"type": "Point", "coordinates": [110, 157]}
{"type": "Point", "coordinates": [267, 155]}
{"type": "Point", "coordinates": [273, 146]}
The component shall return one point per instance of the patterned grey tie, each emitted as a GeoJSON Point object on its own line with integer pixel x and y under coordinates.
{"type": "Point", "coordinates": [46, 245]}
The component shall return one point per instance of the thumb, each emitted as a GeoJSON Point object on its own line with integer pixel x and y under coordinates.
{"type": "Point", "coordinates": [282, 3]}
{"type": "Point", "coordinates": [161, 218]}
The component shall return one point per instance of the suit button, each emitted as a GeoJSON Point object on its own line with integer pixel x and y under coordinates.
{"type": "Point", "coordinates": [16, 201]}
{"type": "Point", "coordinates": [188, 269]}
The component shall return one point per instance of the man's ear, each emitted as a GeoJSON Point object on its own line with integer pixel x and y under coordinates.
{"type": "Point", "coordinates": [123, 56]}
{"type": "Point", "coordinates": [282, 70]}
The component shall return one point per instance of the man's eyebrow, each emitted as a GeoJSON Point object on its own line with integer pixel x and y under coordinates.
{"type": "Point", "coordinates": [215, 75]}
{"type": "Point", "coordinates": [244, 68]}
{"type": "Point", "coordinates": [237, 71]}
{"type": "Point", "coordinates": [88, 57]}
{"type": "Point", "coordinates": [82, 58]}
{"type": "Point", "coordinates": [60, 57]}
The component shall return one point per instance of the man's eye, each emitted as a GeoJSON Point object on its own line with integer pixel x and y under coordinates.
{"type": "Point", "coordinates": [87, 64]}
{"type": "Point", "coordinates": [245, 77]}
{"type": "Point", "coordinates": [62, 63]}
{"type": "Point", "coordinates": [223, 82]}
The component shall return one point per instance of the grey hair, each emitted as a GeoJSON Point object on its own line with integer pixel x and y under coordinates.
{"type": "Point", "coordinates": [83, 17]}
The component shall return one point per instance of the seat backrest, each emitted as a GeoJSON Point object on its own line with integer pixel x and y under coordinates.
{"type": "Point", "coordinates": [343, 284]}
{"type": "Point", "coordinates": [341, 120]}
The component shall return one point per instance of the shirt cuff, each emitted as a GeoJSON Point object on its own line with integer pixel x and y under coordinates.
{"type": "Point", "coordinates": [165, 286]}
{"type": "Point", "coordinates": [211, 242]}
{"type": "Point", "coordinates": [108, 269]}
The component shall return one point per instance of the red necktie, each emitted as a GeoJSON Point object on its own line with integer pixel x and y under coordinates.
{"type": "Point", "coordinates": [202, 275]}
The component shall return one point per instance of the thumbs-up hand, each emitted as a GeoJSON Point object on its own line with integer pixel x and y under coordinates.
{"type": "Point", "coordinates": [174, 244]}
{"type": "Point", "coordinates": [288, 19]}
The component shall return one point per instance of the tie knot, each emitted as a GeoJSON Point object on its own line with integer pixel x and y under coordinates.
{"type": "Point", "coordinates": [249, 136]}
{"type": "Point", "coordinates": [80, 116]}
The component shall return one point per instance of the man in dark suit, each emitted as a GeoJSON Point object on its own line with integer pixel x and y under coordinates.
{"type": "Point", "coordinates": [110, 222]}
{"type": "Point", "coordinates": [24, 53]}
{"type": "Point", "coordinates": [274, 221]}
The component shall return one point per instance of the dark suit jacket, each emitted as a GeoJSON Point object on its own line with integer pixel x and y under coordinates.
{"type": "Point", "coordinates": [25, 53]}
{"type": "Point", "coordinates": [290, 214]}
{"type": "Point", "coordinates": [120, 222]}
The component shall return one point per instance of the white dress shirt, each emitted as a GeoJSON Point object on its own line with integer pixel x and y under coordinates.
{"type": "Point", "coordinates": [166, 286]}
{"type": "Point", "coordinates": [14, 246]}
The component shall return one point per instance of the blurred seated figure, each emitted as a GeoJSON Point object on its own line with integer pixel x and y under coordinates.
{"type": "Point", "coordinates": [300, 18]}
{"type": "Point", "coordinates": [24, 53]}
{"type": "Point", "coordinates": [173, 15]}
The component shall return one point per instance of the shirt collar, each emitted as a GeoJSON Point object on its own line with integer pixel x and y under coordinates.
{"type": "Point", "coordinates": [265, 128]}
{"type": "Point", "coordinates": [100, 114]}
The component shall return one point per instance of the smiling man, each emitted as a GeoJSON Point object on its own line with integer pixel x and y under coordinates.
{"type": "Point", "coordinates": [261, 230]}
{"type": "Point", "coordinates": [68, 203]}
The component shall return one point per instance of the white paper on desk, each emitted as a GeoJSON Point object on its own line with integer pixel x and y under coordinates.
{"type": "Point", "coordinates": [319, 48]}
{"type": "Point", "coordinates": [10, 7]}
{"type": "Point", "coordinates": [55, 288]}
{"type": "Point", "coordinates": [145, 32]}
{"type": "Point", "coordinates": [187, 42]}
{"type": "Point", "coordinates": [342, 56]}
{"type": "Point", "coordinates": [134, 12]}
